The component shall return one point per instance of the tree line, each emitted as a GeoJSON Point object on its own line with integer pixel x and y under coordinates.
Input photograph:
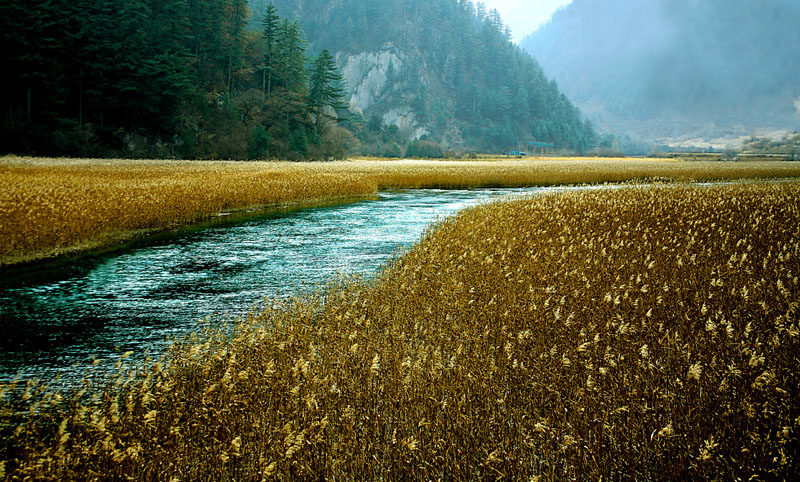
{"type": "Point", "coordinates": [164, 78]}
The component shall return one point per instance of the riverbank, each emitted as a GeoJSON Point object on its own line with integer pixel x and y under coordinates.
{"type": "Point", "coordinates": [649, 333]}
{"type": "Point", "coordinates": [56, 207]}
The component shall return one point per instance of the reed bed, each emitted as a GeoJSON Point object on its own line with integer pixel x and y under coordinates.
{"type": "Point", "coordinates": [51, 207]}
{"type": "Point", "coordinates": [634, 333]}
{"type": "Point", "coordinates": [545, 172]}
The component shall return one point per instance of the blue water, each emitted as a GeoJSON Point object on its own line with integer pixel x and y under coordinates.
{"type": "Point", "coordinates": [59, 317]}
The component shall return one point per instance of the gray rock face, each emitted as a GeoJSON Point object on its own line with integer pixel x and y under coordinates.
{"type": "Point", "coordinates": [405, 119]}
{"type": "Point", "coordinates": [366, 75]}
{"type": "Point", "coordinates": [367, 78]}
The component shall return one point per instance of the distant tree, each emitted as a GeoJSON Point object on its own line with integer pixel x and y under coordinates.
{"type": "Point", "coordinates": [338, 143]}
{"type": "Point", "coordinates": [375, 124]}
{"type": "Point", "coordinates": [270, 35]}
{"type": "Point", "coordinates": [325, 92]}
{"type": "Point", "coordinates": [235, 14]}
{"type": "Point", "coordinates": [424, 149]}
{"type": "Point", "coordinates": [291, 56]}
{"type": "Point", "coordinates": [730, 155]}
{"type": "Point", "coordinates": [393, 151]}
{"type": "Point", "coordinates": [287, 102]}
{"type": "Point", "coordinates": [298, 142]}
{"type": "Point", "coordinates": [259, 143]}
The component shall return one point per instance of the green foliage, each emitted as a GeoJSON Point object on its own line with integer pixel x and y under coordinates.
{"type": "Point", "coordinates": [298, 142]}
{"type": "Point", "coordinates": [375, 124]}
{"type": "Point", "coordinates": [393, 151]}
{"type": "Point", "coordinates": [270, 38]}
{"type": "Point", "coordinates": [161, 79]}
{"type": "Point", "coordinates": [259, 143]}
{"type": "Point", "coordinates": [424, 150]}
{"type": "Point", "coordinates": [325, 88]}
{"type": "Point", "coordinates": [291, 49]}
{"type": "Point", "coordinates": [375, 137]}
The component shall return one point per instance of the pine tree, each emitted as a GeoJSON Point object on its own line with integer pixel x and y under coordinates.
{"type": "Point", "coordinates": [270, 35]}
{"type": "Point", "coordinates": [290, 92]}
{"type": "Point", "coordinates": [325, 90]}
{"type": "Point", "coordinates": [291, 54]}
{"type": "Point", "coordinates": [233, 40]}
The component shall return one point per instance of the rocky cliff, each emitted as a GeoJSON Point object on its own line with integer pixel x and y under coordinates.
{"type": "Point", "coordinates": [371, 78]}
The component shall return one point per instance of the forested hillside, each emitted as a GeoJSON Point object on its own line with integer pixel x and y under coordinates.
{"type": "Point", "coordinates": [162, 78]}
{"type": "Point", "coordinates": [212, 78]}
{"type": "Point", "coordinates": [673, 68]}
{"type": "Point", "coordinates": [452, 69]}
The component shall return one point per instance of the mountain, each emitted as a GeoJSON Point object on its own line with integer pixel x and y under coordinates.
{"type": "Point", "coordinates": [677, 69]}
{"type": "Point", "coordinates": [320, 79]}
{"type": "Point", "coordinates": [445, 70]}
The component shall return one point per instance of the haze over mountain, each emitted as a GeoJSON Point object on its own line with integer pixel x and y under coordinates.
{"type": "Point", "coordinates": [677, 70]}
{"type": "Point", "coordinates": [524, 16]}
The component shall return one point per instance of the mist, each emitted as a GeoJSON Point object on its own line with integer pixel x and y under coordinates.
{"type": "Point", "coordinates": [676, 68]}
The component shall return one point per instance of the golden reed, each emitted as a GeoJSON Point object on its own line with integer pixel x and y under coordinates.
{"type": "Point", "coordinates": [644, 333]}
{"type": "Point", "coordinates": [52, 207]}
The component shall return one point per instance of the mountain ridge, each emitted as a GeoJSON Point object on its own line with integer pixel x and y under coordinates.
{"type": "Point", "coordinates": [677, 69]}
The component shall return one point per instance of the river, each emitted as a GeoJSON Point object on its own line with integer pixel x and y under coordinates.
{"type": "Point", "coordinates": [58, 317]}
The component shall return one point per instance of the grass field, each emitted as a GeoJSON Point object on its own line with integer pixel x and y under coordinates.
{"type": "Point", "coordinates": [52, 207]}
{"type": "Point", "coordinates": [649, 333]}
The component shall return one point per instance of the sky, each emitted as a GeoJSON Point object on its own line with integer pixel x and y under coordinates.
{"type": "Point", "coordinates": [524, 16]}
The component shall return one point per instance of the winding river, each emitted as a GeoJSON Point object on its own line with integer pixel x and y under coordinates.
{"type": "Point", "coordinates": [59, 317]}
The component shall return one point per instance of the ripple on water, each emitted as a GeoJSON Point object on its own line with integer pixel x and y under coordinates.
{"type": "Point", "coordinates": [57, 315]}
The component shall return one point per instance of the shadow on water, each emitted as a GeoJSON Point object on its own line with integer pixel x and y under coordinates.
{"type": "Point", "coordinates": [63, 313]}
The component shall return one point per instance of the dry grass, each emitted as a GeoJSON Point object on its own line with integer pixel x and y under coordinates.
{"type": "Point", "coordinates": [53, 207]}
{"type": "Point", "coordinates": [550, 172]}
{"type": "Point", "coordinates": [49, 207]}
{"type": "Point", "coordinates": [644, 333]}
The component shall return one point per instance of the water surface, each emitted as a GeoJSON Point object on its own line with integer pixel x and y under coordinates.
{"type": "Point", "coordinates": [60, 316]}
